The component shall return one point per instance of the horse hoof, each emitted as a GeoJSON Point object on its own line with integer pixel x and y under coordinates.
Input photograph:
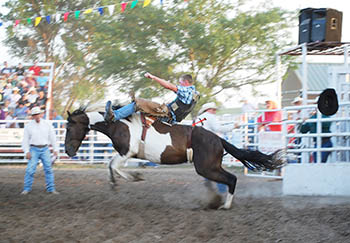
{"type": "Point", "coordinates": [138, 176]}
{"type": "Point", "coordinates": [222, 207]}
{"type": "Point", "coordinates": [215, 202]}
{"type": "Point", "coordinates": [113, 185]}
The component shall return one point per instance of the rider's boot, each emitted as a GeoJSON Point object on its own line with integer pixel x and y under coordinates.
{"type": "Point", "coordinates": [109, 116]}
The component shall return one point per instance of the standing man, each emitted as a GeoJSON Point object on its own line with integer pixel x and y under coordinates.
{"type": "Point", "coordinates": [38, 134]}
{"type": "Point", "coordinates": [186, 99]}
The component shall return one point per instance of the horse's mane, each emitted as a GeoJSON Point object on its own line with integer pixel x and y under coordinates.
{"type": "Point", "coordinates": [93, 107]}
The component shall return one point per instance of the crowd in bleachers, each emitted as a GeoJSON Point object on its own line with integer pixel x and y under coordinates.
{"type": "Point", "coordinates": [21, 89]}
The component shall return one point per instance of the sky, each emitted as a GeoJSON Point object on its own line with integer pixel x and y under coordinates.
{"type": "Point", "coordinates": [266, 90]}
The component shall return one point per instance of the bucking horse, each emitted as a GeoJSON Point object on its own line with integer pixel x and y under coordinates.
{"type": "Point", "coordinates": [138, 136]}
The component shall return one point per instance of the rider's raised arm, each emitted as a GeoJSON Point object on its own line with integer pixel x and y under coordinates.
{"type": "Point", "coordinates": [162, 82]}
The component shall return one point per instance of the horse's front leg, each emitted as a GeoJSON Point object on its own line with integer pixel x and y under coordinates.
{"type": "Point", "coordinates": [112, 180]}
{"type": "Point", "coordinates": [116, 164]}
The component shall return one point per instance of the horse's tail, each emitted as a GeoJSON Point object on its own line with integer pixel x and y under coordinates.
{"type": "Point", "coordinates": [255, 160]}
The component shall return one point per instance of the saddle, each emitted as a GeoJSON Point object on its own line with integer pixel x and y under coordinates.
{"type": "Point", "coordinates": [150, 108]}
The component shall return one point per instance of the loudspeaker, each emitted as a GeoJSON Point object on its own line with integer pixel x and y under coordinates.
{"type": "Point", "coordinates": [305, 21]}
{"type": "Point", "coordinates": [320, 24]}
{"type": "Point", "coordinates": [326, 25]}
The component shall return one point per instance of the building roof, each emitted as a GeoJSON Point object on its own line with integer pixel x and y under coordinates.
{"type": "Point", "coordinates": [317, 75]}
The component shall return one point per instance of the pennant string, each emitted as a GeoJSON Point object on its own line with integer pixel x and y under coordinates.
{"type": "Point", "coordinates": [57, 16]}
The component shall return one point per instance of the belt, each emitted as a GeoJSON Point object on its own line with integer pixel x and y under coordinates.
{"type": "Point", "coordinates": [39, 146]}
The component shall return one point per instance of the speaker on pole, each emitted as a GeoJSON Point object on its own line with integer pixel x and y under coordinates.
{"type": "Point", "coordinates": [305, 21]}
{"type": "Point", "coordinates": [326, 25]}
{"type": "Point", "coordinates": [320, 24]}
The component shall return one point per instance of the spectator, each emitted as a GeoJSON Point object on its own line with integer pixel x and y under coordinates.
{"type": "Point", "coordinates": [55, 116]}
{"type": "Point", "coordinates": [14, 98]}
{"type": "Point", "coordinates": [298, 101]}
{"type": "Point", "coordinates": [38, 134]}
{"type": "Point", "coordinates": [32, 95]}
{"type": "Point", "coordinates": [10, 117]}
{"type": "Point", "coordinates": [6, 69]}
{"type": "Point", "coordinates": [42, 81]}
{"type": "Point", "coordinates": [20, 70]}
{"type": "Point", "coordinates": [30, 80]}
{"type": "Point", "coordinates": [247, 107]}
{"type": "Point", "coordinates": [25, 101]}
{"type": "Point", "coordinates": [2, 96]}
{"type": "Point", "coordinates": [7, 91]}
{"type": "Point", "coordinates": [3, 114]}
{"type": "Point", "coordinates": [311, 127]}
{"type": "Point", "coordinates": [207, 119]}
{"type": "Point", "coordinates": [35, 68]}
{"type": "Point", "coordinates": [14, 80]}
{"type": "Point", "coordinates": [269, 117]}
{"type": "Point", "coordinates": [247, 111]}
{"type": "Point", "coordinates": [23, 87]}
{"type": "Point", "coordinates": [41, 100]}
{"type": "Point", "coordinates": [21, 113]}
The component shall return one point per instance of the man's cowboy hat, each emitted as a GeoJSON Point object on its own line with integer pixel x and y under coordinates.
{"type": "Point", "coordinates": [297, 99]}
{"type": "Point", "coordinates": [328, 102]}
{"type": "Point", "coordinates": [36, 110]}
{"type": "Point", "coordinates": [210, 105]}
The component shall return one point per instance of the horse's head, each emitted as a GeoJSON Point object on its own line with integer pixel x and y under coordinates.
{"type": "Point", "coordinates": [77, 128]}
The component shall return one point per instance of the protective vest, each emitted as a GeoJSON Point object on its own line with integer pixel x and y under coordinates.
{"type": "Point", "coordinates": [180, 109]}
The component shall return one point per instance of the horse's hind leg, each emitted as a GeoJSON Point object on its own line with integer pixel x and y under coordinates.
{"type": "Point", "coordinates": [215, 199]}
{"type": "Point", "coordinates": [212, 171]}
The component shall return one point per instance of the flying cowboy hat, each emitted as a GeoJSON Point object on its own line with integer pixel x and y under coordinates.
{"type": "Point", "coordinates": [328, 102]}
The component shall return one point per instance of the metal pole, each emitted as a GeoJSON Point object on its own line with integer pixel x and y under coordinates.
{"type": "Point", "coordinates": [279, 80]}
{"type": "Point", "coordinates": [304, 76]}
{"type": "Point", "coordinates": [304, 114]}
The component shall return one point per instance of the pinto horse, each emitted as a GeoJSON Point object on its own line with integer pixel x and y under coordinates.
{"type": "Point", "coordinates": [165, 144]}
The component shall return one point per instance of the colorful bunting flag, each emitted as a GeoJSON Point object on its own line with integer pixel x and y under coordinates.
{"type": "Point", "coordinates": [87, 11]}
{"type": "Point", "coordinates": [123, 6]}
{"type": "Point", "coordinates": [48, 19]}
{"type": "Point", "coordinates": [58, 17]}
{"type": "Point", "coordinates": [111, 9]}
{"type": "Point", "coordinates": [146, 3]}
{"type": "Point", "coordinates": [65, 16]}
{"type": "Point", "coordinates": [133, 4]}
{"type": "Point", "coordinates": [37, 21]}
{"type": "Point", "coordinates": [77, 13]}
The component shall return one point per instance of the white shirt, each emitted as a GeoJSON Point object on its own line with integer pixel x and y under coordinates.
{"type": "Point", "coordinates": [212, 124]}
{"type": "Point", "coordinates": [38, 134]}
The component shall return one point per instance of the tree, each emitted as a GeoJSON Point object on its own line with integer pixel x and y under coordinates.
{"type": "Point", "coordinates": [221, 45]}
{"type": "Point", "coordinates": [217, 42]}
{"type": "Point", "coordinates": [65, 44]}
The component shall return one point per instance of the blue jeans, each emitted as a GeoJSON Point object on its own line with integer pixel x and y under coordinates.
{"type": "Point", "coordinates": [327, 143]}
{"type": "Point", "coordinates": [124, 111]}
{"type": "Point", "coordinates": [44, 155]}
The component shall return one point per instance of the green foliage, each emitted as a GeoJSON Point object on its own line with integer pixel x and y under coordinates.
{"type": "Point", "coordinates": [217, 42]}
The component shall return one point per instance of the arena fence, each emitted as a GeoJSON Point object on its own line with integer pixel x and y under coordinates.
{"type": "Point", "coordinates": [300, 148]}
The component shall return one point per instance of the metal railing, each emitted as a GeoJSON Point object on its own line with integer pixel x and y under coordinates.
{"type": "Point", "coordinates": [97, 148]}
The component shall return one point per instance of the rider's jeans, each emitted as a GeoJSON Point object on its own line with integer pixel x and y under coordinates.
{"type": "Point", "coordinates": [124, 111]}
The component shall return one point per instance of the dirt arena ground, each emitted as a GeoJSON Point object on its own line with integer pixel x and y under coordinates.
{"type": "Point", "coordinates": [167, 207]}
